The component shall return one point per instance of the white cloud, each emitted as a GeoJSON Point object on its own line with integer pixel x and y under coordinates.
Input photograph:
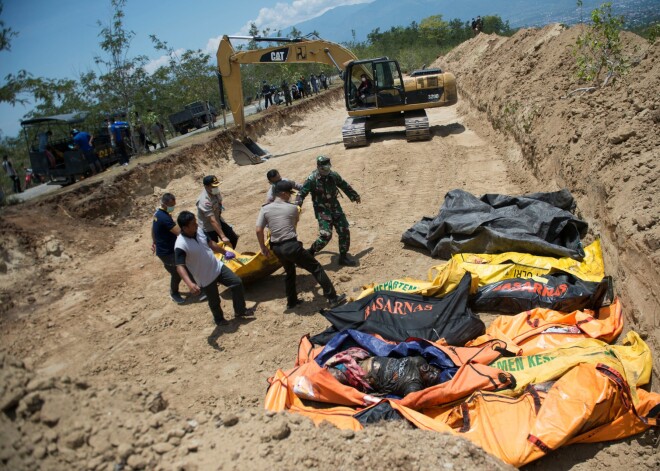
{"type": "Point", "coordinates": [153, 65]}
{"type": "Point", "coordinates": [284, 15]}
{"type": "Point", "coordinates": [212, 46]}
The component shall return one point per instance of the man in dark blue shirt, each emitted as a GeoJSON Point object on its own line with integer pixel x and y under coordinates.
{"type": "Point", "coordinates": [85, 142]}
{"type": "Point", "coordinates": [163, 234]}
{"type": "Point", "coordinates": [117, 129]}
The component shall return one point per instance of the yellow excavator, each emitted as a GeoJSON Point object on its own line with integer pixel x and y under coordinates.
{"type": "Point", "coordinates": [376, 93]}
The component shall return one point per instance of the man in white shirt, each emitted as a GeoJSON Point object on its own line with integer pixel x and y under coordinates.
{"type": "Point", "coordinates": [194, 251]}
{"type": "Point", "coordinates": [11, 173]}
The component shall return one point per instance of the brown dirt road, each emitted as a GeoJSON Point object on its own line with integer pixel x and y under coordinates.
{"type": "Point", "coordinates": [111, 371]}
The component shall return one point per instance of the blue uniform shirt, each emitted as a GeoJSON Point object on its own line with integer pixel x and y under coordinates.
{"type": "Point", "coordinates": [82, 141]}
{"type": "Point", "coordinates": [162, 227]}
{"type": "Point", "coordinates": [116, 128]}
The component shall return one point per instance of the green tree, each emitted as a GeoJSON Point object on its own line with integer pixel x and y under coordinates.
{"type": "Point", "coordinates": [494, 24]}
{"type": "Point", "coordinates": [124, 76]}
{"type": "Point", "coordinates": [187, 77]}
{"type": "Point", "coordinates": [16, 85]}
{"type": "Point", "coordinates": [434, 28]}
{"type": "Point", "coordinates": [598, 50]}
{"type": "Point", "coordinates": [6, 34]}
{"type": "Point", "coordinates": [254, 31]}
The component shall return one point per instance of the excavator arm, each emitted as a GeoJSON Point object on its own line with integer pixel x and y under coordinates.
{"type": "Point", "coordinates": [291, 51]}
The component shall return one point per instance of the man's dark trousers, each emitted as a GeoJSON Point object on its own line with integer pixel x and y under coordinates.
{"type": "Point", "coordinates": [17, 184]}
{"type": "Point", "coordinates": [170, 266]}
{"type": "Point", "coordinates": [291, 253]}
{"type": "Point", "coordinates": [229, 232]}
{"type": "Point", "coordinates": [233, 282]}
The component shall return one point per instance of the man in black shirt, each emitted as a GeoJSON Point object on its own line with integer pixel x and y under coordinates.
{"type": "Point", "coordinates": [267, 93]}
{"type": "Point", "coordinates": [163, 236]}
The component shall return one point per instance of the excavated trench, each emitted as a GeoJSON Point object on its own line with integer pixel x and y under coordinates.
{"type": "Point", "coordinates": [99, 312]}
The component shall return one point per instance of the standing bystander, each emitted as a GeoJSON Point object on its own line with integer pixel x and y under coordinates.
{"type": "Point", "coordinates": [273, 177]}
{"type": "Point", "coordinates": [11, 173]}
{"type": "Point", "coordinates": [267, 93]}
{"type": "Point", "coordinates": [286, 90]}
{"type": "Point", "coordinates": [85, 142]}
{"type": "Point", "coordinates": [315, 83]}
{"type": "Point", "coordinates": [44, 140]}
{"type": "Point", "coordinates": [324, 80]}
{"type": "Point", "coordinates": [118, 135]}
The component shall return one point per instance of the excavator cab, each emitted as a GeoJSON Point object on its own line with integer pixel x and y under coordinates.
{"type": "Point", "coordinates": [373, 83]}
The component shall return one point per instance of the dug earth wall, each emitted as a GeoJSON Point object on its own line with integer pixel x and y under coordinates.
{"type": "Point", "coordinates": [603, 145]}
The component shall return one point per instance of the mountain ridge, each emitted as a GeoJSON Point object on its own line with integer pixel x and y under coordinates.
{"type": "Point", "coordinates": [340, 23]}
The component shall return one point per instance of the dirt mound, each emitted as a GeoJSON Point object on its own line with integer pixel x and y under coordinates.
{"type": "Point", "coordinates": [85, 304]}
{"type": "Point", "coordinates": [603, 146]}
{"type": "Point", "coordinates": [53, 421]}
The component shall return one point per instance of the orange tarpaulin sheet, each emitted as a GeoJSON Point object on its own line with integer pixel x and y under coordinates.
{"type": "Point", "coordinates": [310, 381]}
{"type": "Point", "coordinates": [578, 394]}
{"type": "Point", "coordinates": [542, 329]}
{"type": "Point", "coordinates": [589, 403]}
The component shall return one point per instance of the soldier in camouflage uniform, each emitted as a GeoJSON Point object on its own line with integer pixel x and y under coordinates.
{"type": "Point", "coordinates": [324, 185]}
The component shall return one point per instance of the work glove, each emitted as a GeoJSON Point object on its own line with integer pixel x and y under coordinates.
{"type": "Point", "coordinates": [229, 255]}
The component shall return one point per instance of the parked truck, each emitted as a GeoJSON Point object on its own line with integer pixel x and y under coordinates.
{"type": "Point", "coordinates": [194, 116]}
{"type": "Point", "coordinates": [60, 161]}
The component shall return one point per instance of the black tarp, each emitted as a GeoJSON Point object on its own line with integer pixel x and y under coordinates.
{"type": "Point", "coordinates": [538, 224]}
{"type": "Point", "coordinates": [381, 411]}
{"type": "Point", "coordinates": [399, 316]}
{"type": "Point", "coordinates": [559, 291]}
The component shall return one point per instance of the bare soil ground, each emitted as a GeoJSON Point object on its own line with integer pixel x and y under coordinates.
{"type": "Point", "coordinates": [100, 370]}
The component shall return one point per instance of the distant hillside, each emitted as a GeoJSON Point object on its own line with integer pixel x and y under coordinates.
{"type": "Point", "coordinates": [337, 24]}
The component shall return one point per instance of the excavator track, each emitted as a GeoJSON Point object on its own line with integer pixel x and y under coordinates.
{"type": "Point", "coordinates": [417, 126]}
{"type": "Point", "coordinates": [354, 132]}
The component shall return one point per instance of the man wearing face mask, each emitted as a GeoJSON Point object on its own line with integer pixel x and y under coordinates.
{"type": "Point", "coordinates": [209, 213]}
{"type": "Point", "coordinates": [163, 237]}
{"type": "Point", "coordinates": [324, 185]}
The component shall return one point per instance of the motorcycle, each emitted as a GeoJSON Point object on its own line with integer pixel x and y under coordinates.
{"type": "Point", "coordinates": [32, 178]}
{"type": "Point", "coordinates": [29, 178]}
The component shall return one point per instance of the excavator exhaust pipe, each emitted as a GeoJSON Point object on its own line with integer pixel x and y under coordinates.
{"type": "Point", "coordinates": [248, 152]}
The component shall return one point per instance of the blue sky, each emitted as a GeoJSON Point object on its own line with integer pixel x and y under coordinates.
{"type": "Point", "coordinates": [59, 38]}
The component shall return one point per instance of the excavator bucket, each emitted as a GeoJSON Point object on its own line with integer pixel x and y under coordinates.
{"type": "Point", "coordinates": [248, 152]}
